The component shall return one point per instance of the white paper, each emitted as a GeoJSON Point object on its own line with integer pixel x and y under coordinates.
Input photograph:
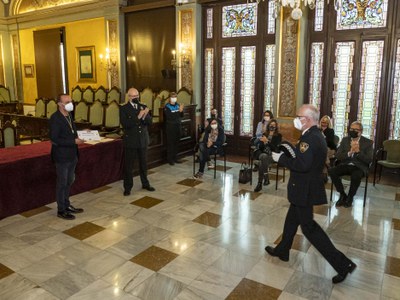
{"type": "Point", "coordinates": [89, 135]}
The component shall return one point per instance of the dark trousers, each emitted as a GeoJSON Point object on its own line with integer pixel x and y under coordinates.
{"type": "Point", "coordinates": [173, 137]}
{"type": "Point", "coordinates": [355, 173]}
{"type": "Point", "coordinates": [65, 178]}
{"type": "Point", "coordinates": [265, 161]}
{"type": "Point", "coordinates": [204, 155]}
{"type": "Point", "coordinates": [303, 216]}
{"type": "Point", "coordinates": [130, 155]}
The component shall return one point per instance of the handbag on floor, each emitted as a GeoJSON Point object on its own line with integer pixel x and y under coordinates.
{"type": "Point", "coordinates": [244, 173]}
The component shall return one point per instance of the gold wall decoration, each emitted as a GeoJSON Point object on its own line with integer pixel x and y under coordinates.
{"type": "Point", "coordinates": [186, 38]}
{"type": "Point", "coordinates": [17, 67]}
{"type": "Point", "coordinates": [112, 37]}
{"type": "Point", "coordinates": [288, 65]}
{"type": "Point", "coordinates": [25, 6]}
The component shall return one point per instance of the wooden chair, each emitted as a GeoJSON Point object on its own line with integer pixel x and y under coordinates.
{"type": "Point", "coordinates": [96, 113]}
{"type": "Point", "coordinates": [184, 96]}
{"type": "Point", "coordinates": [88, 94]}
{"type": "Point", "coordinates": [114, 95]}
{"type": "Point", "coordinates": [156, 108]}
{"type": "Point", "coordinates": [51, 108]}
{"type": "Point", "coordinates": [76, 94]}
{"type": "Point", "coordinates": [40, 108]}
{"type": "Point", "coordinates": [390, 149]}
{"type": "Point", "coordinates": [100, 94]}
{"type": "Point", "coordinates": [111, 119]}
{"type": "Point", "coordinates": [5, 94]}
{"type": "Point", "coordinates": [146, 97]}
{"type": "Point", "coordinates": [81, 111]}
{"type": "Point", "coordinates": [9, 136]}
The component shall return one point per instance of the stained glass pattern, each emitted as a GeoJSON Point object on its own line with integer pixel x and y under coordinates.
{"type": "Point", "coordinates": [269, 79]}
{"type": "Point", "coordinates": [370, 79]}
{"type": "Point", "coordinates": [319, 15]}
{"type": "Point", "coordinates": [248, 72]}
{"type": "Point", "coordinates": [344, 54]}
{"type": "Point", "coordinates": [208, 81]}
{"type": "Point", "coordinates": [316, 67]}
{"type": "Point", "coordinates": [395, 113]}
{"type": "Point", "coordinates": [209, 23]}
{"type": "Point", "coordinates": [228, 88]}
{"type": "Point", "coordinates": [271, 18]}
{"type": "Point", "coordinates": [239, 20]}
{"type": "Point", "coordinates": [362, 14]}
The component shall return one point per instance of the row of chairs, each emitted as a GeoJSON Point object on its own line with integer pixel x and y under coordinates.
{"type": "Point", "coordinates": [8, 135]}
{"type": "Point", "coordinates": [98, 114]}
{"type": "Point", "coordinates": [44, 108]}
{"type": "Point", "coordinates": [5, 95]}
{"type": "Point", "coordinates": [90, 94]}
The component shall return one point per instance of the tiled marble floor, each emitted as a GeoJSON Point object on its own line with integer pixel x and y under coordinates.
{"type": "Point", "coordinates": [194, 239]}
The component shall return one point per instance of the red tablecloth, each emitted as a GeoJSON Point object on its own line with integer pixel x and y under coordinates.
{"type": "Point", "coordinates": [28, 176]}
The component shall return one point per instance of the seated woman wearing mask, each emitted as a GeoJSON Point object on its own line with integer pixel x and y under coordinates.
{"type": "Point", "coordinates": [267, 143]}
{"type": "Point", "coordinates": [261, 129]}
{"type": "Point", "coordinates": [213, 139]}
{"type": "Point", "coordinates": [325, 126]}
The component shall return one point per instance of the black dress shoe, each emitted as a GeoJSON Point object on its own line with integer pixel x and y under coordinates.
{"type": "Point", "coordinates": [340, 277]}
{"type": "Point", "coordinates": [266, 179]}
{"type": "Point", "coordinates": [178, 161]}
{"type": "Point", "coordinates": [271, 251]}
{"type": "Point", "coordinates": [342, 200]}
{"type": "Point", "coordinates": [258, 187]}
{"type": "Point", "coordinates": [349, 202]}
{"type": "Point", "coordinates": [171, 163]}
{"type": "Point", "coordinates": [127, 193]}
{"type": "Point", "coordinates": [74, 210]}
{"type": "Point", "coordinates": [65, 215]}
{"type": "Point", "coordinates": [149, 188]}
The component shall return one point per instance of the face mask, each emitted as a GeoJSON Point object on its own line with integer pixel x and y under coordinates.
{"type": "Point", "coordinates": [135, 100]}
{"type": "Point", "coordinates": [214, 126]}
{"type": "Point", "coordinates": [69, 107]}
{"type": "Point", "coordinates": [297, 124]}
{"type": "Point", "coordinates": [353, 134]}
{"type": "Point", "coordinates": [272, 128]}
{"type": "Point", "coordinates": [266, 119]}
{"type": "Point", "coordinates": [173, 100]}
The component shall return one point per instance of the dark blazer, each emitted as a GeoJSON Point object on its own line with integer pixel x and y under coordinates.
{"type": "Point", "coordinates": [136, 134]}
{"type": "Point", "coordinates": [273, 144]}
{"type": "Point", "coordinates": [362, 159]}
{"type": "Point", "coordinates": [330, 138]}
{"type": "Point", "coordinates": [306, 185]}
{"type": "Point", "coordinates": [172, 114]}
{"type": "Point", "coordinates": [220, 138]}
{"type": "Point", "coordinates": [63, 147]}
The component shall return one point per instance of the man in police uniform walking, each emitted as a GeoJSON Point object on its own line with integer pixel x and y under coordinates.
{"type": "Point", "coordinates": [305, 189]}
{"type": "Point", "coordinates": [135, 119]}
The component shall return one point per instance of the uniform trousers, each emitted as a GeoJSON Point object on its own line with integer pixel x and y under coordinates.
{"type": "Point", "coordinates": [173, 137]}
{"type": "Point", "coordinates": [355, 173]}
{"type": "Point", "coordinates": [303, 216]}
{"type": "Point", "coordinates": [130, 155]}
{"type": "Point", "coordinates": [65, 178]}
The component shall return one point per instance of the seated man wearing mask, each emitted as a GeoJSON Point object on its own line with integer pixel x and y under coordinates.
{"type": "Point", "coordinates": [355, 154]}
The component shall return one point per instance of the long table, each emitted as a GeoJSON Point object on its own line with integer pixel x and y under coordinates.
{"type": "Point", "coordinates": [28, 176]}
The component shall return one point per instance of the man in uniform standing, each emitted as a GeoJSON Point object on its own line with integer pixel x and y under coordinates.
{"type": "Point", "coordinates": [135, 118]}
{"type": "Point", "coordinates": [305, 189]}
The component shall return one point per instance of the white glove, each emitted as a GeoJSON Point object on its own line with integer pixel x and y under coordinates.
{"type": "Point", "coordinates": [276, 156]}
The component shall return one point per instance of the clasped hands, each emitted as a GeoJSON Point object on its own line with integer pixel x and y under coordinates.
{"type": "Point", "coordinates": [354, 147]}
{"type": "Point", "coordinates": [143, 113]}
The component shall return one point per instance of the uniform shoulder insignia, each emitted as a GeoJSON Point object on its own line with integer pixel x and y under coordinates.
{"type": "Point", "coordinates": [304, 147]}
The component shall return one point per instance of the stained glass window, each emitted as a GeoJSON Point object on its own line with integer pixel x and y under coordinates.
{"type": "Point", "coordinates": [271, 18]}
{"type": "Point", "coordinates": [269, 78]}
{"type": "Point", "coordinates": [344, 54]}
{"type": "Point", "coordinates": [319, 15]}
{"type": "Point", "coordinates": [208, 81]}
{"type": "Point", "coordinates": [248, 72]}
{"type": "Point", "coordinates": [370, 79]}
{"type": "Point", "coordinates": [228, 88]}
{"type": "Point", "coordinates": [209, 23]}
{"type": "Point", "coordinates": [395, 114]}
{"type": "Point", "coordinates": [316, 67]}
{"type": "Point", "coordinates": [239, 20]}
{"type": "Point", "coordinates": [362, 14]}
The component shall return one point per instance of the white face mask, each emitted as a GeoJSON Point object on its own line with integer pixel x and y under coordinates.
{"type": "Point", "coordinates": [267, 118]}
{"type": "Point", "coordinates": [214, 126]}
{"type": "Point", "coordinates": [69, 107]}
{"type": "Point", "coordinates": [297, 124]}
{"type": "Point", "coordinates": [173, 100]}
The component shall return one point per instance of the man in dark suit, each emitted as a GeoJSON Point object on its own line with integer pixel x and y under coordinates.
{"type": "Point", "coordinates": [355, 155]}
{"type": "Point", "coordinates": [135, 118]}
{"type": "Point", "coordinates": [64, 152]}
{"type": "Point", "coordinates": [305, 189]}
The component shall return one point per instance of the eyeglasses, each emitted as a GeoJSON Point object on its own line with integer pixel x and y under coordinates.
{"type": "Point", "coordinates": [355, 129]}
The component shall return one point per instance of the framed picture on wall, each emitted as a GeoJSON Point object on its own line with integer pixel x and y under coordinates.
{"type": "Point", "coordinates": [29, 70]}
{"type": "Point", "coordinates": [86, 63]}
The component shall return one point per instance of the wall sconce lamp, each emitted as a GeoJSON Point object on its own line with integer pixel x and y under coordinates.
{"type": "Point", "coordinates": [184, 57]}
{"type": "Point", "coordinates": [109, 60]}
